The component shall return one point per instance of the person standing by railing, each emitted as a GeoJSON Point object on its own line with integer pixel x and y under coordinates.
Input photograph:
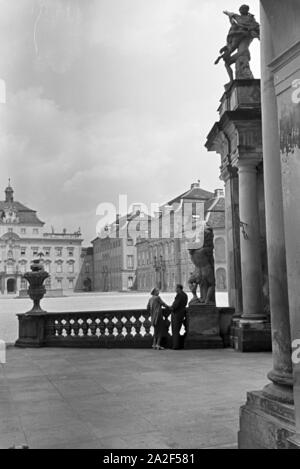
{"type": "Point", "coordinates": [156, 307]}
{"type": "Point", "coordinates": [178, 309]}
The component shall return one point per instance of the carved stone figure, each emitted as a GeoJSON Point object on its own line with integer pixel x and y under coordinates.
{"type": "Point", "coordinates": [244, 28]}
{"type": "Point", "coordinates": [204, 273]}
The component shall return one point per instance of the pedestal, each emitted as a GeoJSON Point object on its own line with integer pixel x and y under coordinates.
{"type": "Point", "coordinates": [251, 336]}
{"type": "Point", "coordinates": [203, 327]}
{"type": "Point", "coordinates": [267, 424]}
{"type": "Point", "coordinates": [31, 330]}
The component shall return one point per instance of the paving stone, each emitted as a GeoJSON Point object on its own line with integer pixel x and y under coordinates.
{"type": "Point", "coordinates": [77, 398]}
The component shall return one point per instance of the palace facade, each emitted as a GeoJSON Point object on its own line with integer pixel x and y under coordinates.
{"type": "Point", "coordinates": [115, 259]}
{"type": "Point", "coordinates": [165, 261]}
{"type": "Point", "coordinates": [22, 238]}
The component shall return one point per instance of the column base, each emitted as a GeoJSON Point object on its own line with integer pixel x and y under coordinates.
{"type": "Point", "coordinates": [267, 424]}
{"type": "Point", "coordinates": [251, 336]}
{"type": "Point", "coordinates": [203, 327]}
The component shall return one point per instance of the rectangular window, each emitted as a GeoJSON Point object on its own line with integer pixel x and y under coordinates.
{"type": "Point", "coordinates": [35, 231]}
{"type": "Point", "coordinates": [129, 242]}
{"type": "Point", "coordinates": [59, 268]}
{"type": "Point", "coordinates": [35, 251]}
{"type": "Point", "coordinates": [58, 252]}
{"type": "Point", "coordinates": [9, 269]}
{"type": "Point", "coordinates": [10, 230]}
{"type": "Point", "coordinates": [23, 251]}
{"type": "Point", "coordinates": [130, 262]}
{"type": "Point", "coordinates": [71, 283]}
{"type": "Point", "coordinates": [59, 282]}
{"type": "Point", "coordinates": [71, 268]}
{"type": "Point", "coordinates": [47, 251]}
{"type": "Point", "coordinates": [70, 252]}
{"type": "Point", "coordinates": [23, 230]}
{"type": "Point", "coordinates": [87, 268]}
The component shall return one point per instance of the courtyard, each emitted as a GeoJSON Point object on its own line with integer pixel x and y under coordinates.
{"type": "Point", "coordinates": [55, 398]}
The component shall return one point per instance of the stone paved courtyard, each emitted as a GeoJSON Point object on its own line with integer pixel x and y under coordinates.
{"type": "Point", "coordinates": [70, 398]}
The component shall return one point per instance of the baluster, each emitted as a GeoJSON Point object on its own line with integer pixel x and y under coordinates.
{"type": "Point", "coordinates": [110, 327]}
{"type": "Point", "coordinates": [119, 327]}
{"type": "Point", "coordinates": [138, 325]}
{"type": "Point", "coordinates": [128, 326]}
{"type": "Point", "coordinates": [84, 327]}
{"type": "Point", "coordinates": [147, 325]}
{"type": "Point", "coordinates": [59, 327]}
{"type": "Point", "coordinates": [102, 327]}
{"type": "Point", "coordinates": [68, 327]}
{"type": "Point", "coordinates": [93, 327]}
{"type": "Point", "coordinates": [76, 327]}
{"type": "Point", "coordinates": [168, 319]}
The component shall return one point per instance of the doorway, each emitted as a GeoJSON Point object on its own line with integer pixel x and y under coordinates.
{"type": "Point", "coordinates": [11, 285]}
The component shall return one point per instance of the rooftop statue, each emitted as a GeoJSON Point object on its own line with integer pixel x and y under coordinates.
{"type": "Point", "coordinates": [244, 28]}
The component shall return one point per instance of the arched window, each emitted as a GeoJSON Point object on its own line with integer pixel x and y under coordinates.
{"type": "Point", "coordinates": [10, 267]}
{"type": "Point", "coordinates": [220, 251]}
{"type": "Point", "coordinates": [22, 267]}
{"type": "Point", "coordinates": [71, 267]}
{"type": "Point", "coordinates": [221, 279]}
{"type": "Point", "coordinates": [59, 267]}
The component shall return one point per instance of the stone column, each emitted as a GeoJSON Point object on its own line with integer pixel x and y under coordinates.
{"type": "Point", "coordinates": [268, 420]}
{"type": "Point", "coordinates": [250, 239]}
{"type": "Point", "coordinates": [230, 177]}
{"type": "Point", "coordinates": [281, 375]}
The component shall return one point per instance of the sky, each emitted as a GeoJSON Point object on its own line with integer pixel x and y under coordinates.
{"type": "Point", "coordinates": [109, 97]}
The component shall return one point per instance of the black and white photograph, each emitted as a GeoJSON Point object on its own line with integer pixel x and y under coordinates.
{"type": "Point", "coordinates": [149, 227]}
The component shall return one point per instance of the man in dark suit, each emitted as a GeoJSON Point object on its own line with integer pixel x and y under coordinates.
{"type": "Point", "coordinates": [178, 309]}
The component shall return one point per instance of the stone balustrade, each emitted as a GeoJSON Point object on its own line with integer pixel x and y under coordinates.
{"type": "Point", "coordinates": [99, 329]}
{"type": "Point", "coordinates": [106, 329]}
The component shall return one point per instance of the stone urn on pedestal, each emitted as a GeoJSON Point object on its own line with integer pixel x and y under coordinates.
{"type": "Point", "coordinates": [36, 289]}
{"type": "Point", "coordinates": [32, 323]}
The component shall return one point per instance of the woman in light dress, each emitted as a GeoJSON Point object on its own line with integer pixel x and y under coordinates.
{"type": "Point", "coordinates": [157, 309]}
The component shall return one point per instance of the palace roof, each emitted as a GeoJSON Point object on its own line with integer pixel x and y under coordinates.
{"type": "Point", "coordinates": [12, 211]}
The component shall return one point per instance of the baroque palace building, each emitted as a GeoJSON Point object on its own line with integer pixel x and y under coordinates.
{"type": "Point", "coordinates": [114, 252]}
{"type": "Point", "coordinates": [22, 238]}
{"type": "Point", "coordinates": [165, 261]}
